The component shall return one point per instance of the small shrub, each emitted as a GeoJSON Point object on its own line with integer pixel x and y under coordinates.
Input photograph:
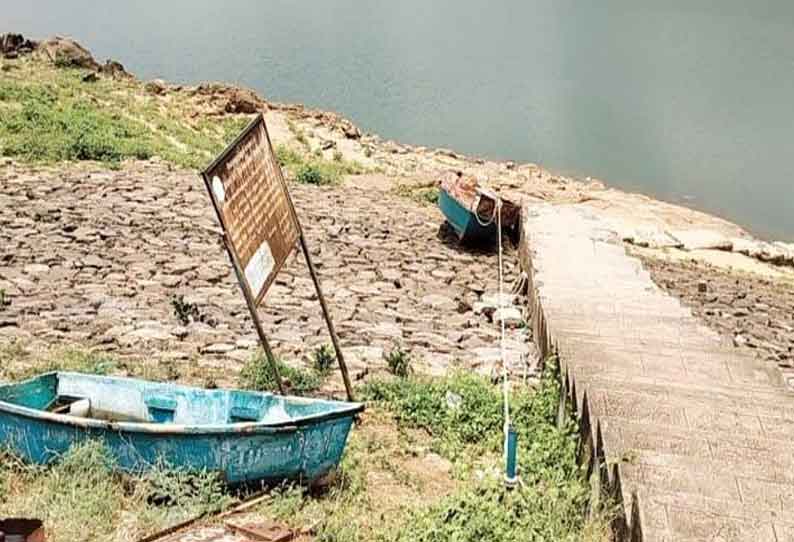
{"type": "Point", "coordinates": [202, 492]}
{"type": "Point", "coordinates": [399, 362]}
{"type": "Point", "coordinates": [288, 157]}
{"type": "Point", "coordinates": [338, 156]}
{"type": "Point", "coordinates": [311, 174]}
{"type": "Point", "coordinates": [429, 195]}
{"type": "Point", "coordinates": [257, 375]}
{"type": "Point", "coordinates": [323, 359]}
{"type": "Point", "coordinates": [185, 311]}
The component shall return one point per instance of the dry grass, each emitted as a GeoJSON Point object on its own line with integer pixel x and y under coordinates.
{"type": "Point", "coordinates": [83, 498]}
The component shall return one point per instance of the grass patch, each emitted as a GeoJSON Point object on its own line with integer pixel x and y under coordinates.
{"type": "Point", "coordinates": [257, 375]}
{"type": "Point", "coordinates": [314, 169]}
{"type": "Point", "coordinates": [46, 128]}
{"type": "Point", "coordinates": [82, 497]}
{"type": "Point", "coordinates": [16, 363]}
{"type": "Point", "coordinates": [425, 195]}
{"type": "Point", "coordinates": [391, 490]}
{"type": "Point", "coordinates": [463, 415]}
{"type": "Point", "coordinates": [49, 115]}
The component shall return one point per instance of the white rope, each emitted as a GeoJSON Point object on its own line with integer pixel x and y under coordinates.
{"type": "Point", "coordinates": [505, 383]}
{"type": "Point", "coordinates": [475, 211]}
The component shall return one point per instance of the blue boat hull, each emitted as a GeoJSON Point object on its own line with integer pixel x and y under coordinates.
{"type": "Point", "coordinates": [282, 447]}
{"type": "Point", "coordinates": [463, 220]}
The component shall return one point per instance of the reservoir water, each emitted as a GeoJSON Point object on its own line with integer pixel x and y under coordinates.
{"type": "Point", "coordinates": [691, 101]}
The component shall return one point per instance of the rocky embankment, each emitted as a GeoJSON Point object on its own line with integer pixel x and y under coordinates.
{"type": "Point", "coordinates": [97, 257]}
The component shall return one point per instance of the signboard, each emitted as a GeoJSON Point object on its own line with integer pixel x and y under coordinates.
{"type": "Point", "coordinates": [250, 196]}
{"type": "Point", "coordinates": [260, 226]}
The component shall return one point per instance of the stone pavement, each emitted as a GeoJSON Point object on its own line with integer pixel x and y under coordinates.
{"type": "Point", "coordinates": [93, 257]}
{"type": "Point", "coordinates": [693, 435]}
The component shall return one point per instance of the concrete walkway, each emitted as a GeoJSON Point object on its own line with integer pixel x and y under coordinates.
{"type": "Point", "coordinates": [695, 438]}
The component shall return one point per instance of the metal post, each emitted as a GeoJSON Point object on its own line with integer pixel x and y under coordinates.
{"type": "Point", "coordinates": [339, 357]}
{"type": "Point", "coordinates": [249, 300]}
{"type": "Point", "coordinates": [326, 314]}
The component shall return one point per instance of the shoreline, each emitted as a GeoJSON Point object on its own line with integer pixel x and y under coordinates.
{"type": "Point", "coordinates": [659, 227]}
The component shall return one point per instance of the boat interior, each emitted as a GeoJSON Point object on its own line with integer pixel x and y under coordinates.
{"type": "Point", "coordinates": [137, 401]}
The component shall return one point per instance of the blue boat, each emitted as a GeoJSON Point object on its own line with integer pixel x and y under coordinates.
{"type": "Point", "coordinates": [245, 436]}
{"type": "Point", "coordinates": [471, 210]}
{"type": "Point", "coordinates": [463, 220]}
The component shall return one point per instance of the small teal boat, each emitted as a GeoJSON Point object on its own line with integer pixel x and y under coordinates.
{"type": "Point", "coordinates": [471, 210]}
{"type": "Point", "coordinates": [463, 220]}
{"type": "Point", "coordinates": [246, 436]}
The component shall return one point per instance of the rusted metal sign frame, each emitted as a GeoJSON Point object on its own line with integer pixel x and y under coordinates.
{"type": "Point", "coordinates": [257, 215]}
{"type": "Point", "coordinates": [251, 301]}
{"type": "Point", "coordinates": [233, 256]}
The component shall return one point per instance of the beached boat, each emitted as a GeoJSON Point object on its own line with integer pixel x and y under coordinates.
{"type": "Point", "coordinates": [246, 436]}
{"type": "Point", "coordinates": [471, 209]}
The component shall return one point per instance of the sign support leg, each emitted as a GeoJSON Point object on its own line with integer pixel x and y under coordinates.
{"type": "Point", "coordinates": [327, 315]}
{"type": "Point", "coordinates": [249, 300]}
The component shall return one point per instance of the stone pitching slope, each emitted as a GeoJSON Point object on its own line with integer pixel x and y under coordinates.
{"type": "Point", "coordinates": [692, 437]}
{"type": "Point", "coordinates": [93, 257]}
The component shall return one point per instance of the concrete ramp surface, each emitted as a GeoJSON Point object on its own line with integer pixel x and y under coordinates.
{"type": "Point", "coordinates": [696, 439]}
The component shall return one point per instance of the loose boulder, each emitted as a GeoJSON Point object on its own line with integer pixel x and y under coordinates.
{"type": "Point", "coordinates": [350, 130]}
{"type": "Point", "coordinates": [114, 69]}
{"type": "Point", "coordinates": [67, 53]}
{"type": "Point", "coordinates": [156, 87]}
{"type": "Point", "coordinates": [13, 45]}
{"type": "Point", "coordinates": [228, 99]}
{"type": "Point", "coordinates": [242, 100]}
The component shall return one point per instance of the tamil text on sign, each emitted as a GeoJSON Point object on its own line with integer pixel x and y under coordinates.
{"type": "Point", "coordinates": [250, 195]}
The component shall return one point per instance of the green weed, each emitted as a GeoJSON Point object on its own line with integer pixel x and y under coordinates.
{"type": "Point", "coordinates": [311, 174]}
{"type": "Point", "coordinates": [46, 128]}
{"type": "Point", "coordinates": [425, 195]}
{"type": "Point", "coordinates": [288, 157]}
{"type": "Point", "coordinates": [488, 512]}
{"type": "Point", "coordinates": [323, 359]}
{"type": "Point", "coordinates": [399, 362]}
{"type": "Point", "coordinates": [257, 375]}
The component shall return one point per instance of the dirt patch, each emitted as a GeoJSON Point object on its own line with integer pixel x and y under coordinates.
{"type": "Point", "coordinates": [388, 472]}
{"type": "Point", "coordinates": [403, 471]}
{"type": "Point", "coordinates": [756, 312]}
